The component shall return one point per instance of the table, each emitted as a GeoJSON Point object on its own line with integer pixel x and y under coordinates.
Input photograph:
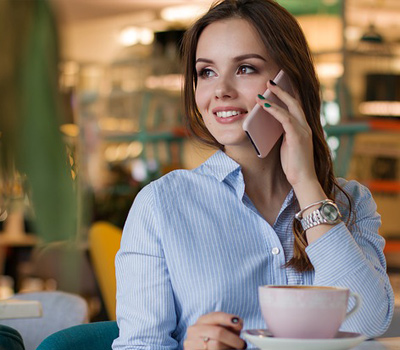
{"type": "Point", "coordinates": [14, 308]}
{"type": "Point", "coordinates": [375, 344]}
{"type": "Point", "coordinates": [380, 344]}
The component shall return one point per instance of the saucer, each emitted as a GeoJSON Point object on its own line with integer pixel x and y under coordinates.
{"type": "Point", "coordinates": [265, 341]}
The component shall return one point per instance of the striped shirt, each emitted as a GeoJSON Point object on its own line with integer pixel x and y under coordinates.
{"type": "Point", "coordinates": [194, 243]}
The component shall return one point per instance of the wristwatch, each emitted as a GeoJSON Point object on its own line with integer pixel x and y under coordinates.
{"type": "Point", "coordinates": [328, 213]}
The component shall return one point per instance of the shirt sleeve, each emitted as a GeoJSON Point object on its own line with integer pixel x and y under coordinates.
{"type": "Point", "coordinates": [145, 304]}
{"type": "Point", "coordinates": [353, 257]}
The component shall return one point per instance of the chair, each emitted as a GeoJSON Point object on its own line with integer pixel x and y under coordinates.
{"type": "Point", "coordinates": [10, 339]}
{"type": "Point", "coordinates": [90, 336]}
{"type": "Point", "coordinates": [104, 242]}
{"type": "Point", "coordinates": [60, 310]}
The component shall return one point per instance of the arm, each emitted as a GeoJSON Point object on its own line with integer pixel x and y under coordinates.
{"type": "Point", "coordinates": [344, 257]}
{"type": "Point", "coordinates": [353, 257]}
{"type": "Point", "coordinates": [146, 313]}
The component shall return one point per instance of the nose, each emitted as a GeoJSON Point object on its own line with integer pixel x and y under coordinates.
{"type": "Point", "coordinates": [224, 89]}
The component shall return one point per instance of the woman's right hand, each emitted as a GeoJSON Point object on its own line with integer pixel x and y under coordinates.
{"type": "Point", "coordinates": [215, 331]}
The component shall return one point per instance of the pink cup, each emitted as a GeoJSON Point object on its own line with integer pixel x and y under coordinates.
{"type": "Point", "coordinates": [305, 312]}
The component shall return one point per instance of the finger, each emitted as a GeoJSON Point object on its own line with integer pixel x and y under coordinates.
{"type": "Point", "coordinates": [292, 104]}
{"type": "Point", "coordinates": [289, 123]}
{"type": "Point", "coordinates": [216, 345]}
{"type": "Point", "coordinates": [221, 334]}
{"type": "Point", "coordinates": [221, 319]}
{"type": "Point", "coordinates": [199, 344]}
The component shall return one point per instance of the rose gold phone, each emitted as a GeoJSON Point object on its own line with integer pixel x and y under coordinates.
{"type": "Point", "coordinates": [261, 127]}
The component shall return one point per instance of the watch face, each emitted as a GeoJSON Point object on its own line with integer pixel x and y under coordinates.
{"type": "Point", "coordinates": [330, 212]}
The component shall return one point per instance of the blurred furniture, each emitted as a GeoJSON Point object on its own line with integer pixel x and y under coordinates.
{"type": "Point", "coordinates": [100, 335]}
{"type": "Point", "coordinates": [60, 310]}
{"type": "Point", "coordinates": [67, 264]}
{"type": "Point", "coordinates": [394, 328]}
{"type": "Point", "coordinates": [15, 242]}
{"type": "Point", "coordinates": [104, 242]}
{"type": "Point", "coordinates": [91, 336]}
{"type": "Point", "coordinates": [12, 309]}
{"type": "Point", "coordinates": [10, 339]}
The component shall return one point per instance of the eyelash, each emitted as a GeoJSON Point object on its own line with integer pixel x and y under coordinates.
{"type": "Point", "coordinates": [203, 72]}
{"type": "Point", "coordinates": [248, 67]}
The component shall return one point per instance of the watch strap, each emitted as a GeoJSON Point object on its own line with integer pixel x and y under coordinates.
{"type": "Point", "coordinates": [313, 219]}
{"type": "Point", "coordinates": [316, 217]}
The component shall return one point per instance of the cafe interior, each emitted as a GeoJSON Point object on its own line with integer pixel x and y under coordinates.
{"type": "Point", "coordinates": [67, 181]}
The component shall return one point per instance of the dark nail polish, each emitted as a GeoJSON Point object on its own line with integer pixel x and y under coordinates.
{"type": "Point", "coordinates": [261, 97]}
{"type": "Point", "coordinates": [235, 320]}
{"type": "Point", "coordinates": [272, 82]}
{"type": "Point", "coordinates": [267, 105]}
{"type": "Point", "coordinates": [245, 346]}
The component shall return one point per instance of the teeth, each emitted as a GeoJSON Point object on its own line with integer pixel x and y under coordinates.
{"type": "Point", "coordinates": [226, 114]}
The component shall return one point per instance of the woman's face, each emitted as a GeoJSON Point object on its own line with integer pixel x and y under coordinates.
{"type": "Point", "coordinates": [232, 66]}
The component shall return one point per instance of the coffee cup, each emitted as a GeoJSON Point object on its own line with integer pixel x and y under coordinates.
{"type": "Point", "coordinates": [305, 312]}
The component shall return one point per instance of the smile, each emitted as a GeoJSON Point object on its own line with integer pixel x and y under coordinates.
{"type": "Point", "coordinates": [227, 114]}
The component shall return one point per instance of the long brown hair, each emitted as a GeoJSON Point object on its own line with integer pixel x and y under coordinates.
{"type": "Point", "coordinates": [286, 44]}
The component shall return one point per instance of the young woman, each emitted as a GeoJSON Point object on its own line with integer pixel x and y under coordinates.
{"type": "Point", "coordinates": [197, 244]}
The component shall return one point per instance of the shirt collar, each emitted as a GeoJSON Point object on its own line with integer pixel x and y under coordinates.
{"type": "Point", "coordinates": [221, 166]}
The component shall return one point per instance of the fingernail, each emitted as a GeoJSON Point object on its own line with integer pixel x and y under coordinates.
{"type": "Point", "coordinates": [235, 320]}
{"type": "Point", "coordinates": [245, 346]}
{"type": "Point", "coordinates": [272, 82]}
{"type": "Point", "coordinates": [261, 97]}
{"type": "Point", "coordinates": [267, 105]}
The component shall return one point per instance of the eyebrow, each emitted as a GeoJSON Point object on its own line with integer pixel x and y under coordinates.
{"type": "Point", "coordinates": [236, 59]}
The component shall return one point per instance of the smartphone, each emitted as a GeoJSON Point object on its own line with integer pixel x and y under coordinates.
{"type": "Point", "coordinates": [261, 127]}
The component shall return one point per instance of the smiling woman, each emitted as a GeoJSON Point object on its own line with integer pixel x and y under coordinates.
{"type": "Point", "coordinates": [232, 69]}
{"type": "Point", "coordinates": [197, 244]}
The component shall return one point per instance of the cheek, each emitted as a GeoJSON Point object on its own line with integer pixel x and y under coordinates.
{"type": "Point", "coordinates": [202, 98]}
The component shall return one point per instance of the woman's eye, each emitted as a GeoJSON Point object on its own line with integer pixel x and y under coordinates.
{"type": "Point", "coordinates": [206, 73]}
{"type": "Point", "coordinates": [246, 70]}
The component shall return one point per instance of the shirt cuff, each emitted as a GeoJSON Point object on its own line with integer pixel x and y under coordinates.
{"type": "Point", "coordinates": [334, 255]}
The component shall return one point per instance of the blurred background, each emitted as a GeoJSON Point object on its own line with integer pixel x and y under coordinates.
{"type": "Point", "coordinates": [113, 66]}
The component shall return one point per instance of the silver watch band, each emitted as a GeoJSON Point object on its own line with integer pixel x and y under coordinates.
{"type": "Point", "coordinates": [313, 219]}
{"type": "Point", "coordinates": [328, 213]}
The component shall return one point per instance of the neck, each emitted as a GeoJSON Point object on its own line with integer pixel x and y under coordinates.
{"type": "Point", "coordinates": [263, 177]}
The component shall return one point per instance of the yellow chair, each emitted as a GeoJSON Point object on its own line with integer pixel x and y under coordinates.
{"type": "Point", "coordinates": [104, 242]}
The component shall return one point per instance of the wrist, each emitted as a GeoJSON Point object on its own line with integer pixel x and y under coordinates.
{"type": "Point", "coordinates": [327, 212]}
{"type": "Point", "coordinates": [309, 192]}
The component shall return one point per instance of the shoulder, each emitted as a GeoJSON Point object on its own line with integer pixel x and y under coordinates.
{"type": "Point", "coordinates": [176, 184]}
{"type": "Point", "coordinates": [360, 196]}
{"type": "Point", "coordinates": [354, 189]}
{"type": "Point", "coordinates": [178, 180]}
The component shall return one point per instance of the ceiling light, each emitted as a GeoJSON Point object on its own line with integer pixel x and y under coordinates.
{"type": "Point", "coordinates": [330, 70]}
{"type": "Point", "coordinates": [130, 36]}
{"type": "Point", "coordinates": [182, 13]}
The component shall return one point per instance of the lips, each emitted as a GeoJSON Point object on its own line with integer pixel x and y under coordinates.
{"type": "Point", "coordinates": [227, 112]}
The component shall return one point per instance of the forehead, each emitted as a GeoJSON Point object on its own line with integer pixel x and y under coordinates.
{"type": "Point", "coordinates": [231, 35]}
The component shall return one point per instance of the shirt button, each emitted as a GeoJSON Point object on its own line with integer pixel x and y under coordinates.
{"type": "Point", "coordinates": [275, 250]}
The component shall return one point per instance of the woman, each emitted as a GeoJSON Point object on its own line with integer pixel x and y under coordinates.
{"type": "Point", "coordinates": [197, 244]}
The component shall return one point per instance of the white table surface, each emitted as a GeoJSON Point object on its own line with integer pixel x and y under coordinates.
{"type": "Point", "coordinates": [14, 308]}
{"type": "Point", "coordinates": [380, 344]}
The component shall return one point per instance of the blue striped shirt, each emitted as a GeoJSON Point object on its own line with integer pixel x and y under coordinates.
{"type": "Point", "coordinates": [194, 243]}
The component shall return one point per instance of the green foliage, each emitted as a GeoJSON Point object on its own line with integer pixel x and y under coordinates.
{"type": "Point", "coordinates": [312, 7]}
{"type": "Point", "coordinates": [31, 113]}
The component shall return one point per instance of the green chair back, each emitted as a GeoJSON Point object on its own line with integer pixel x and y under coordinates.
{"type": "Point", "coordinates": [89, 336]}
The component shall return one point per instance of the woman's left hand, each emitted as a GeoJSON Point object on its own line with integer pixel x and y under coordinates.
{"type": "Point", "coordinates": [297, 147]}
